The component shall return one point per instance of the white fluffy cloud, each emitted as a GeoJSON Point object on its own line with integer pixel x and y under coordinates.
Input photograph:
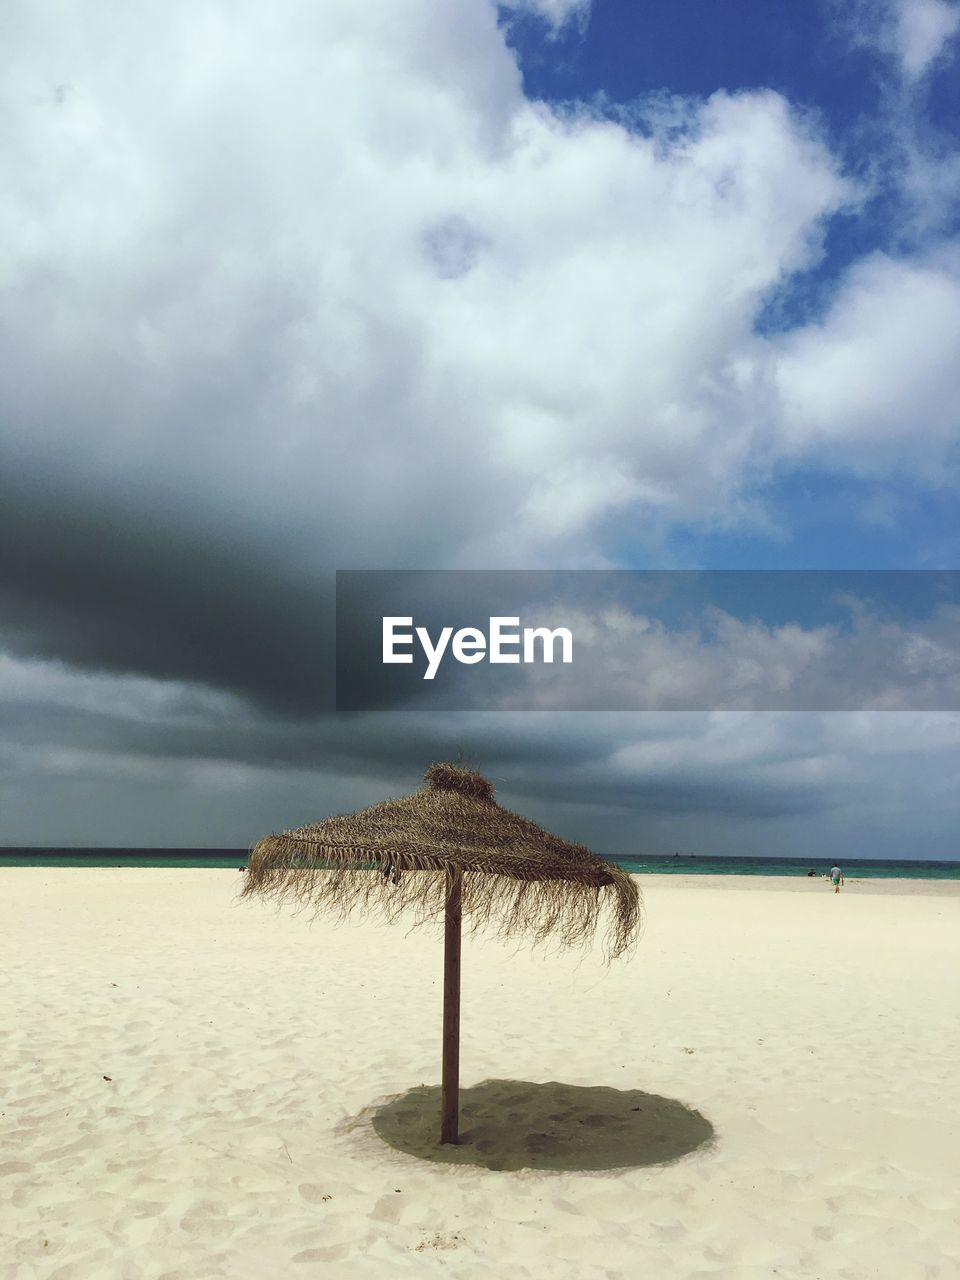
{"type": "Point", "coordinates": [922, 29]}
{"type": "Point", "coordinates": [556, 13]}
{"type": "Point", "coordinates": [628, 660]}
{"type": "Point", "coordinates": [914, 158]}
{"type": "Point", "coordinates": [914, 34]}
{"type": "Point", "coordinates": [297, 259]}
{"type": "Point", "coordinates": [875, 386]}
{"type": "Point", "coordinates": [327, 270]}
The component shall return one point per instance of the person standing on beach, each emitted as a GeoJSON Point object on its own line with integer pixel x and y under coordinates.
{"type": "Point", "coordinates": [836, 878]}
{"type": "Point", "coordinates": [390, 870]}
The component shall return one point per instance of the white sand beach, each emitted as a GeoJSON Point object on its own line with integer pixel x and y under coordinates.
{"type": "Point", "coordinates": [196, 1087]}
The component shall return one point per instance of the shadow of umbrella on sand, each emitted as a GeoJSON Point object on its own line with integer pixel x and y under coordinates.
{"type": "Point", "coordinates": [449, 849]}
{"type": "Point", "coordinates": [518, 1124]}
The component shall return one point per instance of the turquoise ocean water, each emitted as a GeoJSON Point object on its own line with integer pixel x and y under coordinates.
{"type": "Point", "coordinates": [900, 868]}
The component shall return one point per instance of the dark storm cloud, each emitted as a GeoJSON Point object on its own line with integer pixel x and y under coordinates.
{"type": "Point", "coordinates": [540, 758]}
{"type": "Point", "coordinates": [124, 586]}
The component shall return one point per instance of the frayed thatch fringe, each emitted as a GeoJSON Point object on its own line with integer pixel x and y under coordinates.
{"type": "Point", "coordinates": [391, 861]}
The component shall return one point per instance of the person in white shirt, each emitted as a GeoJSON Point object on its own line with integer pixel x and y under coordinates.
{"type": "Point", "coordinates": [836, 878]}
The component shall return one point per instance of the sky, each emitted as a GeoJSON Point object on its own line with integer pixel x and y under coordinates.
{"type": "Point", "coordinates": [411, 285]}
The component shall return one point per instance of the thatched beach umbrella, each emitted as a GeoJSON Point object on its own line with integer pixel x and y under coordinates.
{"type": "Point", "coordinates": [450, 849]}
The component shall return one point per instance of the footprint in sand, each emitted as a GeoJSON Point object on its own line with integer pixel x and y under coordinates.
{"type": "Point", "coordinates": [670, 1231]}
{"type": "Point", "coordinates": [147, 1208]}
{"type": "Point", "coordinates": [335, 1253]}
{"type": "Point", "coordinates": [388, 1209]}
{"type": "Point", "coordinates": [208, 1218]}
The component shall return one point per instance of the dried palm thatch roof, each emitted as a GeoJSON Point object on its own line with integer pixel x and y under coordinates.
{"type": "Point", "coordinates": [517, 878]}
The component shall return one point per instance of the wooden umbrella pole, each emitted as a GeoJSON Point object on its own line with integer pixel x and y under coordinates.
{"type": "Point", "coordinates": [450, 1087]}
